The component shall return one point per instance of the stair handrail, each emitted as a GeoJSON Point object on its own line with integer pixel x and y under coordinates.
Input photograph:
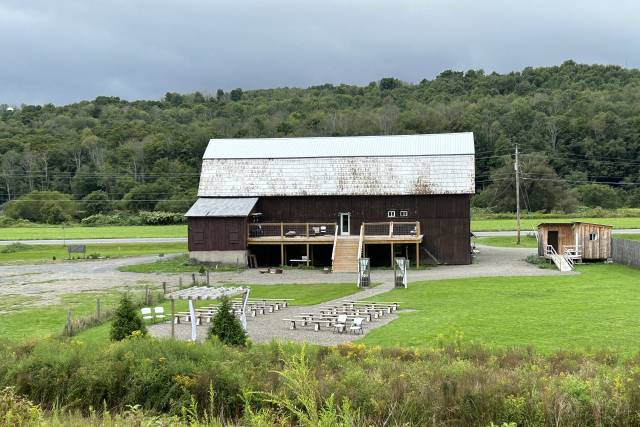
{"type": "Point", "coordinates": [361, 242]}
{"type": "Point", "coordinates": [335, 241]}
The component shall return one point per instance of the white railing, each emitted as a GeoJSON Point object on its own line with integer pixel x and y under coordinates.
{"type": "Point", "coordinates": [335, 242]}
{"type": "Point", "coordinates": [392, 228]}
{"type": "Point", "coordinates": [361, 242]}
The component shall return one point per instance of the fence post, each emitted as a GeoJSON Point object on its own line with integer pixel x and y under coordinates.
{"type": "Point", "coordinates": [193, 278]}
{"type": "Point", "coordinates": [69, 323]}
{"type": "Point", "coordinates": [207, 277]}
{"type": "Point", "coordinates": [146, 295]}
{"type": "Point", "coordinates": [180, 282]}
{"type": "Point", "coordinates": [164, 288]}
{"type": "Point", "coordinates": [173, 316]}
{"type": "Point", "coordinates": [98, 308]}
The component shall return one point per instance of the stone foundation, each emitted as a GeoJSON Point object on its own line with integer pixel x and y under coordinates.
{"type": "Point", "coordinates": [220, 257]}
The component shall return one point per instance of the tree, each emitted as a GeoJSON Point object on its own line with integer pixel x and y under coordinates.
{"type": "Point", "coordinates": [598, 195]}
{"type": "Point", "coordinates": [126, 320]}
{"type": "Point", "coordinates": [49, 207]}
{"type": "Point", "coordinates": [96, 202]}
{"type": "Point", "coordinates": [236, 94]}
{"type": "Point", "coordinates": [389, 83]}
{"type": "Point", "coordinates": [541, 188]}
{"type": "Point", "coordinates": [226, 326]}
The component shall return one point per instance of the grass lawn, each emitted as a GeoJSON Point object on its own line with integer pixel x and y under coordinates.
{"type": "Point", "coordinates": [16, 254]}
{"type": "Point", "coordinates": [179, 264]}
{"type": "Point", "coordinates": [508, 241]}
{"type": "Point", "coordinates": [103, 232]}
{"type": "Point", "coordinates": [594, 310]}
{"type": "Point", "coordinates": [531, 224]}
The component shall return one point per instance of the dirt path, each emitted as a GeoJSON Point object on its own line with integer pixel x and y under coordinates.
{"type": "Point", "coordinates": [49, 281]}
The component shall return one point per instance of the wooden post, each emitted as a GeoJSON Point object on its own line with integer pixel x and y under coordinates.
{"type": "Point", "coordinates": [207, 277]}
{"type": "Point", "coordinates": [391, 229]}
{"type": "Point", "coordinates": [180, 282]}
{"type": "Point", "coordinates": [281, 253]}
{"type": "Point", "coordinates": [173, 314]}
{"type": "Point", "coordinates": [193, 278]}
{"type": "Point", "coordinates": [146, 295]}
{"type": "Point", "coordinates": [417, 254]}
{"type": "Point", "coordinates": [69, 323]}
{"type": "Point", "coordinates": [164, 288]}
{"type": "Point", "coordinates": [98, 308]}
{"type": "Point", "coordinates": [307, 247]}
{"type": "Point", "coordinates": [282, 230]}
{"type": "Point", "coordinates": [392, 254]}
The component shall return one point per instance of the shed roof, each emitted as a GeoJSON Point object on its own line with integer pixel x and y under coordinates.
{"type": "Point", "coordinates": [222, 207]}
{"type": "Point", "coordinates": [571, 224]}
{"type": "Point", "coordinates": [339, 166]}
{"type": "Point", "coordinates": [346, 146]}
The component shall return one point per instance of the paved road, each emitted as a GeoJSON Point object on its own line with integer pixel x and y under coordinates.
{"type": "Point", "coordinates": [184, 239]}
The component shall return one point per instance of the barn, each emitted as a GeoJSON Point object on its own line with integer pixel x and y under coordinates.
{"type": "Point", "coordinates": [582, 240]}
{"type": "Point", "coordinates": [326, 201]}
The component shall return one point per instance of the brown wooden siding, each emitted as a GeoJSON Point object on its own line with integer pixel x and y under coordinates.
{"type": "Point", "coordinates": [217, 234]}
{"type": "Point", "coordinates": [444, 219]}
{"type": "Point", "coordinates": [600, 248]}
{"type": "Point", "coordinates": [591, 249]}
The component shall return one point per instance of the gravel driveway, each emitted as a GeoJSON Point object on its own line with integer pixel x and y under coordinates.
{"type": "Point", "coordinates": [49, 281]}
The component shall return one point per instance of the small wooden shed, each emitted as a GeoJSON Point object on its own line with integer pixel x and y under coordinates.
{"type": "Point", "coordinates": [590, 241]}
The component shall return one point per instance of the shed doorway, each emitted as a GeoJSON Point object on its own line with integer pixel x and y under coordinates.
{"type": "Point", "coordinates": [552, 239]}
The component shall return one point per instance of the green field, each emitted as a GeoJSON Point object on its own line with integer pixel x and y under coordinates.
{"type": "Point", "coordinates": [104, 232]}
{"type": "Point", "coordinates": [22, 254]}
{"type": "Point", "coordinates": [529, 242]}
{"type": "Point", "coordinates": [531, 224]}
{"type": "Point", "coordinates": [114, 232]}
{"type": "Point", "coordinates": [594, 310]}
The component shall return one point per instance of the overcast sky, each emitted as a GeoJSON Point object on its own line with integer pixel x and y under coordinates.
{"type": "Point", "coordinates": [63, 51]}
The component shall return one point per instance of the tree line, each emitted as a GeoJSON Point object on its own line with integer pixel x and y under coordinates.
{"type": "Point", "coordinates": [576, 125]}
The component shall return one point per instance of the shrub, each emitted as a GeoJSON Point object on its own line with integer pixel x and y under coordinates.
{"type": "Point", "coordinates": [17, 410]}
{"type": "Point", "coordinates": [226, 326]}
{"type": "Point", "coordinates": [49, 207]}
{"type": "Point", "coordinates": [126, 320]}
{"type": "Point", "coordinates": [96, 202]}
{"type": "Point", "coordinates": [15, 247]}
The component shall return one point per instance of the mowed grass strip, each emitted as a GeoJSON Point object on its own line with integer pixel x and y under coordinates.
{"type": "Point", "coordinates": [101, 232]}
{"type": "Point", "coordinates": [531, 224]}
{"type": "Point", "coordinates": [29, 254]}
{"type": "Point", "coordinates": [178, 264]}
{"type": "Point", "coordinates": [593, 310]}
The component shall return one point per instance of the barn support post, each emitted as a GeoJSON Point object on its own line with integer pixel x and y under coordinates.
{"type": "Point", "coordinates": [392, 254]}
{"type": "Point", "coordinates": [307, 255]}
{"type": "Point", "coordinates": [417, 254]}
{"type": "Point", "coordinates": [281, 253]}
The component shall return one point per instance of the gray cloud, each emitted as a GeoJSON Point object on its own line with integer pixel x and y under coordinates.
{"type": "Point", "coordinates": [69, 50]}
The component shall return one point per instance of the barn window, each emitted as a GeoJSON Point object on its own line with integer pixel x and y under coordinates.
{"type": "Point", "coordinates": [593, 236]}
{"type": "Point", "coordinates": [404, 213]}
{"type": "Point", "coordinates": [391, 214]}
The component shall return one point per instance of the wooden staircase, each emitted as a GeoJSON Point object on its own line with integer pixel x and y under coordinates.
{"type": "Point", "coordinates": [346, 254]}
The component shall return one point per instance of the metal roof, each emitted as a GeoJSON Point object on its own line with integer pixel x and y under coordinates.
{"type": "Point", "coordinates": [341, 166]}
{"type": "Point", "coordinates": [227, 207]}
{"type": "Point", "coordinates": [345, 146]}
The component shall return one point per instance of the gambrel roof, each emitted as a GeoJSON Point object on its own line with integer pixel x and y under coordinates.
{"type": "Point", "coordinates": [350, 166]}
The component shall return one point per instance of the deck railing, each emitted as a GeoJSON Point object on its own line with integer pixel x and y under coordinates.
{"type": "Point", "coordinates": [291, 229]}
{"type": "Point", "coordinates": [392, 228]}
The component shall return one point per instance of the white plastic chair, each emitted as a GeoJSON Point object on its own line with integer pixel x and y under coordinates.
{"type": "Point", "coordinates": [356, 325]}
{"type": "Point", "coordinates": [159, 312]}
{"type": "Point", "coordinates": [146, 313]}
{"type": "Point", "coordinates": [341, 323]}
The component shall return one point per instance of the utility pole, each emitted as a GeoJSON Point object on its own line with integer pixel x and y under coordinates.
{"type": "Point", "coordinates": [515, 167]}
